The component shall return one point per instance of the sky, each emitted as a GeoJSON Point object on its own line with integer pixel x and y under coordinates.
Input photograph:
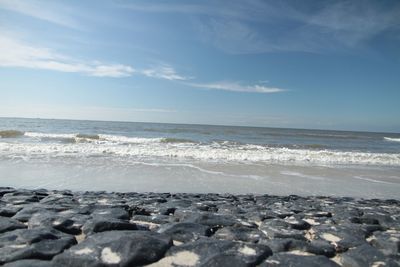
{"type": "Point", "coordinates": [292, 64]}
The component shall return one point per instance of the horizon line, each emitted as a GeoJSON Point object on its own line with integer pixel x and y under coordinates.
{"type": "Point", "coordinates": [201, 124]}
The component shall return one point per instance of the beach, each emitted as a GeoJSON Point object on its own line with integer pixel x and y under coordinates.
{"type": "Point", "coordinates": [64, 228]}
{"type": "Point", "coordinates": [91, 193]}
{"type": "Point", "coordinates": [183, 158]}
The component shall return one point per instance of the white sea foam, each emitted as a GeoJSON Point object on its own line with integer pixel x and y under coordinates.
{"type": "Point", "coordinates": [138, 148]}
{"type": "Point", "coordinates": [371, 180]}
{"type": "Point", "coordinates": [291, 173]}
{"type": "Point", "coordinates": [48, 135]}
{"type": "Point", "coordinates": [392, 139]}
{"type": "Point", "coordinates": [102, 138]}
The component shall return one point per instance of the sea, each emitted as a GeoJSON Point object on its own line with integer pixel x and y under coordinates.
{"type": "Point", "coordinates": [156, 157]}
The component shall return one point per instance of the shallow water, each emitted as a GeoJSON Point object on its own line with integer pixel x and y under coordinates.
{"type": "Point", "coordinates": [121, 156]}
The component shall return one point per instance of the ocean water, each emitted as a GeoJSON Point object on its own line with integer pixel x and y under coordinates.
{"type": "Point", "coordinates": [127, 156]}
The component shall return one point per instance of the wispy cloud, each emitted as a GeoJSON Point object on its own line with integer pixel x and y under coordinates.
{"type": "Point", "coordinates": [258, 26]}
{"type": "Point", "coordinates": [237, 87]}
{"type": "Point", "coordinates": [17, 54]}
{"type": "Point", "coordinates": [352, 22]}
{"type": "Point", "coordinates": [44, 10]}
{"type": "Point", "coordinates": [164, 72]}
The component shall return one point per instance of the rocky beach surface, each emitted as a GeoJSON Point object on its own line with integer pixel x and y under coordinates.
{"type": "Point", "coordinates": [63, 228]}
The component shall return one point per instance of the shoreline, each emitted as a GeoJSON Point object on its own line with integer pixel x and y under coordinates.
{"type": "Point", "coordinates": [64, 228]}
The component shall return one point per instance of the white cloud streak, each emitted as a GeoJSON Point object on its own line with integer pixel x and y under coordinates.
{"type": "Point", "coordinates": [237, 87]}
{"type": "Point", "coordinates": [164, 72]}
{"type": "Point", "coordinates": [44, 10]}
{"type": "Point", "coordinates": [15, 53]}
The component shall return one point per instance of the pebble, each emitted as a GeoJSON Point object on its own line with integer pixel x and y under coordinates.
{"type": "Point", "coordinates": [44, 228]}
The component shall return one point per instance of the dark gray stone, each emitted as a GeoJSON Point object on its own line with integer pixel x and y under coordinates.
{"type": "Point", "coordinates": [9, 211]}
{"type": "Point", "coordinates": [54, 220]}
{"type": "Point", "coordinates": [17, 198]}
{"type": "Point", "coordinates": [387, 242]}
{"type": "Point", "coordinates": [157, 219]}
{"type": "Point", "coordinates": [185, 232]}
{"type": "Point", "coordinates": [29, 263]}
{"type": "Point", "coordinates": [6, 190]}
{"type": "Point", "coordinates": [212, 220]}
{"type": "Point", "coordinates": [116, 213]}
{"type": "Point", "coordinates": [206, 249]}
{"type": "Point", "coordinates": [240, 233]}
{"type": "Point", "coordinates": [116, 248]}
{"type": "Point", "coordinates": [344, 236]}
{"type": "Point", "coordinates": [97, 225]}
{"type": "Point", "coordinates": [278, 244]}
{"type": "Point", "coordinates": [292, 260]}
{"type": "Point", "coordinates": [317, 247]}
{"type": "Point", "coordinates": [365, 255]}
{"type": "Point", "coordinates": [222, 260]}
{"type": "Point", "coordinates": [278, 228]}
{"type": "Point", "coordinates": [7, 224]}
{"type": "Point", "coordinates": [26, 213]}
{"type": "Point", "coordinates": [33, 244]}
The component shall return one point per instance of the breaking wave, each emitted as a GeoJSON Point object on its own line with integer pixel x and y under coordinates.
{"type": "Point", "coordinates": [392, 139]}
{"type": "Point", "coordinates": [132, 148]}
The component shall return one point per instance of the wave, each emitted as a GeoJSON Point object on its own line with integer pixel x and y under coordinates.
{"type": "Point", "coordinates": [391, 139]}
{"type": "Point", "coordinates": [88, 136]}
{"type": "Point", "coordinates": [10, 133]}
{"type": "Point", "coordinates": [153, 148]}
{"type": "Point", "coordinates": [176, 140]}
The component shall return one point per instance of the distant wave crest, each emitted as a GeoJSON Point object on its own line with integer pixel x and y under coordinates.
{"type": "Point", "coordinates": [392, 139]}
{"type": "Point", "coordinates": [10, 133]}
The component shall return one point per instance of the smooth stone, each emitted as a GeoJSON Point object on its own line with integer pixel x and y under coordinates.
{"type": "Point", "coordinates": [387, 243]}
{"type": "Point", "coordinates": [211, 219]}
{"type": "Point", "coordinates": [278, 228]}
{"type": "Point", "coordinates": [97, 225]}
{"type": "Point", "coordinates": [9, 211]}
{"type": "Point", "coordinates": [54, 220]}
{"type": "Point", "coordinates": [364, 220]}
{"type": "Point", "coordinates": [6, 190]}
{"type": "Point", "coordinates": [386, 220]}
{"type": "Point", "coordinates": [317, 247]}
{"type": "Point", "coordinates": [19, 199]}
{"type": "Point", "coordinates": [205, 249]}
{"type": "Point", "coordinates": [26, 213]}
{"type": "Point", "coordinates": [116, 213]}
{"type": "Point", "coordinates": [135, 210]}
{"type": "Point", "coordinates": [297, 224]}
{"type": "Point", "coordinates": [293, 260]}
{"type": "Point", "coordinates": [158, 219]}
{"type": "Point", "coordinates": [185, 232]}
{"type": "Point", "coordinates": [244, 234]}
{"type": "Point", "coordinates": [343, 236]}
{"type": "Point", "coordinates": [116, 248]}
{"type": "Point", "coordinates": [7, 224]}
{"type": "Point", "coordinates": [278, 244]}
{"type": "Point", "coordinates": [33, 244]}
{"type": "Point", "coordinates": [223, 260]}
{"type": "Point", "coordinates": [29, 263]}
{"type": "Point", "coordinates": [365, 255]}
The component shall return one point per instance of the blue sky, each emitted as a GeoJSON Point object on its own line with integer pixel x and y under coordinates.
{"type": "Point", "coordinates": [300, 64]}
